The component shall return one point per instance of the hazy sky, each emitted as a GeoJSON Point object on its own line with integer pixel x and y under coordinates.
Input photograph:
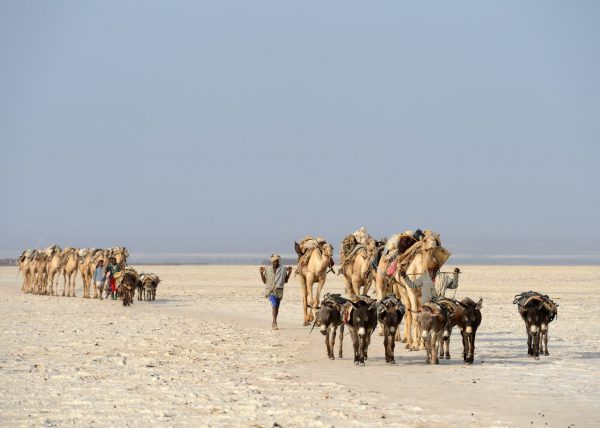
{"type": "Point", "coordinates": [241, 126]}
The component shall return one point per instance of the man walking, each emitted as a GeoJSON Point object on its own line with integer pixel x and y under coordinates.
{"type": "Point", "coordinates": [274, 277]}
{"type": "Point", "coordinates": [99, 278]}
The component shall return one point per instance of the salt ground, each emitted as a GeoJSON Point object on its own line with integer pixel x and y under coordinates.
{"type": "Point", "coordinates": [203, 354]}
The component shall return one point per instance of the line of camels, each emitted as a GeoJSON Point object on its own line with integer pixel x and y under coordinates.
{"type": "Point", "coordinates": [41, 269]}
{"type": "Point", "coordinates": [418, 252]}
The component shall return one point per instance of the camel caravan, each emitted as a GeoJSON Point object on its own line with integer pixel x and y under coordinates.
{"type": "Point", "coordinates": [41, 271]}
{"type": "Point", "coordinates": [409, 286]}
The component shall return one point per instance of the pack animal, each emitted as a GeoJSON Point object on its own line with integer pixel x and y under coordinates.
{"type": "Point", "coordinates": [315, 263]}
{"type": "Point", "coordinates": [128, 280]}
{"type": "Point", "coordinates": [431, 319]}
{"type": "Point", "coordinates": [451, 305]}
{"type": "Point", "coordinates": [328, 318]}
{"type": "Point", "coordinates": [537, 311]}
{"type": "Point", "coordinates": [390, 313]}
{"type": "Point", "coordinates": [361, 321]}
{"type": "Point", "coordinates": [147, 286]}
{"type": "Point", "coordinates": [468, 320]}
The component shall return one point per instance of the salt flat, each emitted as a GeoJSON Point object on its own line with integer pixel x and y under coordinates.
{"type": "Point", "coordinates": [203, 354]}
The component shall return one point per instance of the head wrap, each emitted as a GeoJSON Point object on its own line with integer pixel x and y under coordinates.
{"type": "Point", "coordinates": [275, 257]}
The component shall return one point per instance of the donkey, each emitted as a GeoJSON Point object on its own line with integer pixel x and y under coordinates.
{"type": "Point", "coordinates": [432, 319]}
{"type": "Point", "coordinates": [361, 318]}
{"type": "Point", "coordinates": [468, 319]}
{"type": "Point", "coordinates": [537, 311]}
{"type": "Point", "coordinates": [128, 281]}
{"type": "Point", "coordinates": [390, 313]}
{"type": "Point", "coordinates": [328, 318]}
{"type": "Point", "coordinates": [147, 286]}
{"type": "Point", "coordinates": [451, 306]}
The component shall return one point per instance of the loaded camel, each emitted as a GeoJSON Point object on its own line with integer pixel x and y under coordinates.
{"type": "Point", "coordinates": [357, 269]}
{"type": "Point", "coordinates": [313, 266]}
{"type": "Point", "coordinates": [70, 264]}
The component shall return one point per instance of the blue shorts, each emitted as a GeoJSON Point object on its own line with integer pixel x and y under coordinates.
{"type": "Point", "coordinates": [274, 301]}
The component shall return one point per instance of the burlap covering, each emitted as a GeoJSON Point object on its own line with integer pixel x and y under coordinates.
{"type": "Point", "coordinates": [144, 277]}
{"type": "Point", "coordinates": [306, 247]}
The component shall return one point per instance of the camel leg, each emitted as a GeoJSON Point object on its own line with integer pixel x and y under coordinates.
{"type": "Point", "coordinates": [310, 280]}
{"type": "Point", "coordinates": [356, 283]}
{"type": "Point", "coordinates": [304, 298]}
{"type": "Point", "coordinates": [413, 336]}
{"type": "Point", "coordinates": [64, 283]}
{"type": "Point", "coordinates": [72, 279]}
{"type": "Point", "coordinates": [319, 289]}
{"type": "Point", "coordinates": [349, 289]}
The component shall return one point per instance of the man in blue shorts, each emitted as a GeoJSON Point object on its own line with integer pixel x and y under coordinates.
{"type": "Point", "coordinates": [274, 277]}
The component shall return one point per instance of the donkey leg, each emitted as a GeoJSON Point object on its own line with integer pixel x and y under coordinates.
{"type": "Point", "coordinates": [544, 339]}
{"type": "Point", "coordinates": [327, 345]}
{"type": "Point", "coordinates": [386, 346]}
{"type": "Point", "coordinates": [472, 348]}
{"type": "Point", "coordinates": [340, 354]}
{"type": "Point", "coordinates": [333, 331]}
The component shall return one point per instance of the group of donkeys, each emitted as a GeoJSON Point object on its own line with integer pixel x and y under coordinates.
{"type": "Point", "coordinates": [435, 319]}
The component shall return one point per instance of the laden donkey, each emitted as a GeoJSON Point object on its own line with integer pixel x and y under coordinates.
{"type": "Point", "coordinates": [465, 314]}
{"type": "Point", "coordinates": [361, 318]}
{"type": "Point", "coordinates": [537, 310]}
{"type": "Point", "coordinates": [390, 313]}
{"type": "Point", "coordinates": [328, 318]}
{"type": "Point", "coordinates": [147, 286]}
{"type": "Point", "coordinates": [127, 282]}
{"type": "Point", "coordinates": [432, 319]}
{"type": "Point", "coordinates": [314, 271]}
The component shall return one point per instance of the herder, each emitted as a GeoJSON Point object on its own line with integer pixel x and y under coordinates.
{"type": "Point", "coordinates": [432, 285]}
{"type": "Point", "coordinates": [274, 277]}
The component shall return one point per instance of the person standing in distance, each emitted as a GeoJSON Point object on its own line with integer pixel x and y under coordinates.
{"type": "Point", "coordinates": [274, 277]}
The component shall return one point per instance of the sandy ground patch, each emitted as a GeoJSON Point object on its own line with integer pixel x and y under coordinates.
{"type": "Point", "coordinates": [203, 354]}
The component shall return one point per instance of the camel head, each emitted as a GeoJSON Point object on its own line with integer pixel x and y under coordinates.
{"type": "Point", "coordinates": [431, 240]}
{"type": "Point", "coordinates": [328, 250]}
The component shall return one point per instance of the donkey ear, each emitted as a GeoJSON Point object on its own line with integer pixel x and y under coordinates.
{"type": "Point", "coordinates": [479, 303]}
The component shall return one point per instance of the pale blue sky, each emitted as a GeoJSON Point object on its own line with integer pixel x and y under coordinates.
{"type": "Point", "coordinates": [241, 126]}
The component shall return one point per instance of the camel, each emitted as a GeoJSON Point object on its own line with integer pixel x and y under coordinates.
{"type": "Point", "coordinates": [314, 271]}
{"type": "Point", "coordinates": [53, 268]}
{"type": "Point", "coordinates": [25, 264]}
{"type": "Point", "coordinates": [69, 264]}
{"type": "Point", "coordinates": [120, 254]}
{"type": "Point", "coordinates": [384, 282]}
{"type": "Point", "coordinates": [39, 272]}
{"type": "Point", "coordinates": [426, 258]}
{"type": "Point", "coordinates": [87, 265]}
{"type": "Point", "coordinates": [358, 271]}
